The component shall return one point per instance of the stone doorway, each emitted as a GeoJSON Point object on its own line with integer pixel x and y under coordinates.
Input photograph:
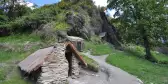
{"type": "Point", "coordinates": [68, 56]}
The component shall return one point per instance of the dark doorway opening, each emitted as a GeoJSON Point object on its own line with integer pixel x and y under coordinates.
{"type": "Point", "coordinates": [68, 56]}
{"type": "Point", "coordinates": [31, 77]}
{"type": "Point", "coordinates": [79, 46]}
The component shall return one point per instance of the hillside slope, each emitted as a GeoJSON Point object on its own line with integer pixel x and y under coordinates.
{"type": "Point", "coordinates": [72, 17]}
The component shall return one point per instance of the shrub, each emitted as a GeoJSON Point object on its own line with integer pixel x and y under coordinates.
{"type": "Point", "coordinates": [2, 75]}
{"type": "Point", "coordinates": [139, 51]}
{"type": "Point", "coordinates": [3, 18]}
{"type": "Point", "coordinates": [61, 26]}
{"type": "Point", "coordinates": [64, 5]}
{"type": "Point", "coordinates": [96, 39]}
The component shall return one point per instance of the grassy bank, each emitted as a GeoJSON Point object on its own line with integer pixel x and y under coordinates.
{"type": "Point", "coordinates": [97, 48]}
{"type": "Point", "coordinates": [13, 49]}
{"type": "Point", "coordinates": [134, 63]}
{"type": "Point", "coordinates": [91, 64]}
{"type": "Point", "coordinates": [16, 47]}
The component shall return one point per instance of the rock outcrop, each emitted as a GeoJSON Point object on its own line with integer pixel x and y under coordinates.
{"type": "Point", "coordinates": [90, 20]}
{"type": "Point", "coordinates": [110, 30]}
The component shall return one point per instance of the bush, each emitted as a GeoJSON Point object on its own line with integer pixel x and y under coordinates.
{"type": "Point", "coordinates": [139, 51]}
{"type": "Point", "coordinates": [64, 5]}
{"type": "Point", "coordinates": [3, 18]}
{"type": "Point", "coordinates": [2, 75]}
{"type": "Point", "coordinates": [135, 50]}
{"type": "Point", "coordinates": [96, 40]}
{"type": "Point", "coordinates": [61, 26]}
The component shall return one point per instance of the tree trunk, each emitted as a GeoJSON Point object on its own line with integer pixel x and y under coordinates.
{"type": "Point", "coordinates": [147, 48]}
{"type": "Point", "coordinates": [148, 55]}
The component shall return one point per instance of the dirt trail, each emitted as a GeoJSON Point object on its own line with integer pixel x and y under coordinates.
{"type": "Point", "coordinates": [107, 74]}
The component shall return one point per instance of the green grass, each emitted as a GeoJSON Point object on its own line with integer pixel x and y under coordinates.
{"type": "Point", "coordinates": [91, 64]}
{"type": "Point", "coordinates": [148, 72]}
{"type": "Point", "coordinates": [98, 48]}
{"type": "Point", "coordinates": [9, 74]}
{"type": "Point", "coordinates": [15, 78]}
{"type": "Point", "coordinates": [161, 58]}
{"type": "Point", "coordinates": [16, 39]}
{"type": "Point", "coordinates": [133, 61]}
{"type": "Point", "coordinates": [15, 47]}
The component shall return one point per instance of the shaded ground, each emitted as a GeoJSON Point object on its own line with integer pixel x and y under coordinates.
{"type": "Point", "coordinates": [107, 74]}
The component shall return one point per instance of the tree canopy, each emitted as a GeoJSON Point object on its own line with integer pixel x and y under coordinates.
{"type": "Point", "coordinates": [142, 21]}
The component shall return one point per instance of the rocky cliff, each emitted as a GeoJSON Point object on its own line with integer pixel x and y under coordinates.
{"type": "Point", "coordinates": [88, 20]}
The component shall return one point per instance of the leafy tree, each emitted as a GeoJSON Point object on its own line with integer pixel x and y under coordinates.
{"type": "Point", "coordinates": [145, 20]}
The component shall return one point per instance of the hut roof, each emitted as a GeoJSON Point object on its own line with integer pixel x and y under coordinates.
{"type": "Point", "coordinates": [36, 60]}
{"type": "Point", "coordinates": [73, 38]}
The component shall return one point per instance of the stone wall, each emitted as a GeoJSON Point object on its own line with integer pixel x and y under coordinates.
{"type": "Point", "coordinates": [55, 69]}
{"type": "Point", "coordinates": [75, 67]}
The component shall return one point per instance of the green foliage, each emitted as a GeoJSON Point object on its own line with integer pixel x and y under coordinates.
{"type": "Point", "coordinates": [2, 74]}
{"type": "Point", "coordinates": [3, 18]}
{"type": "Point", "coordinates": [142, 21]}
{"type": "Point", "coordinates": [161, 58]}
{"type": "Point", "coordinates": [64, 4]}
{"type": "Point", "coordinates": [148, 72]}
{"type": "Point", "coordinates": [139, 51]}
{"type": "Point", "coordinates": [96, 40]}
{"type": "Point", "coordinates": [138, 16]}
{"type": "Point", "coordinates": [91, 64]}
{"type": "Point", "coordinates": [61, 26]}
{"type": "Point", "coordinates": [61, 16]}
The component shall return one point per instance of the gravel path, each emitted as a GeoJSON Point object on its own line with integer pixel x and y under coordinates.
{"type": "Point", "coordinates": [107, 74]}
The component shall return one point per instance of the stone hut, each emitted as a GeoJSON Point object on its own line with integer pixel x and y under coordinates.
{"type": "Point", "coordinates": [76, 41]}
{"type": "Point", "coordinates": [55, 64]}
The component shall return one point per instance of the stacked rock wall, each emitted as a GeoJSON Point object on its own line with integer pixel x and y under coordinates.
{"type": "Point", "coordinates": [75, 67]}
{"type": "Point", "coordinates": [55, 69]}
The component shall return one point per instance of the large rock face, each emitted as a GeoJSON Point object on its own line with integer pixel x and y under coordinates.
{"type": "Point", "coordinates": [77, 22]}
{"type": "Point", "coordinates": [89, 20]}
{"type": "Point", "coordinates": [110, 30]}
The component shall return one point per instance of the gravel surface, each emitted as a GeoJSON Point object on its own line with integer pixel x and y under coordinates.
{"type": "Point", "coordinates": [107, 74]}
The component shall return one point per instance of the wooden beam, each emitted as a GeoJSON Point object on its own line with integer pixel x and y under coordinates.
{"type": "Point", "coordinates": [69, 44]}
